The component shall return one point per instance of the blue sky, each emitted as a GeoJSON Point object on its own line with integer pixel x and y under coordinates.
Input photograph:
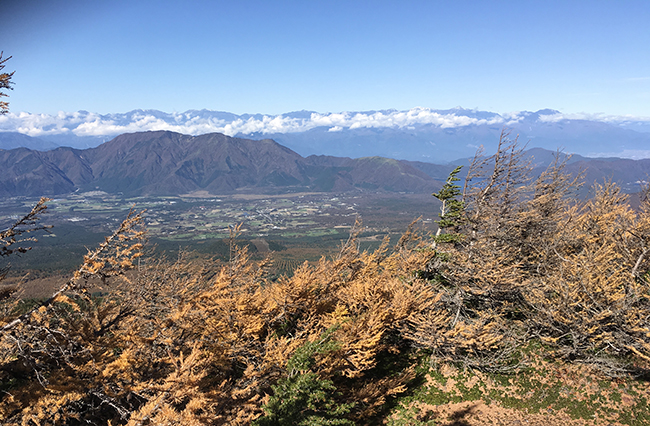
{"type": "Point", "coordinates": [328, 56]}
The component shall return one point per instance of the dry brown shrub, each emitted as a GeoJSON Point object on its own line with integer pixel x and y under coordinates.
{"type": "Point", "coordinates": [533, 262]}
{"type": "Point", "coordinates": [187, 343]}
{"type": "Point", "coordinates": [594, 304]}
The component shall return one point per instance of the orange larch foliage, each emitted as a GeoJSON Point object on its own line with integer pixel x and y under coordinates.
{"type": "Point", "coordinates": [534, 262]}
{"type": "Point", "coordinates": [183, 343]}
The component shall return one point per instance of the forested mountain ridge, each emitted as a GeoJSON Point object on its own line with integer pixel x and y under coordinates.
{"type": "Point", "coordinates": [168, 163]}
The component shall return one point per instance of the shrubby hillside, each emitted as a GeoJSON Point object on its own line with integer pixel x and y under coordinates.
{"type": "Point", "coordinates": [519, 269]}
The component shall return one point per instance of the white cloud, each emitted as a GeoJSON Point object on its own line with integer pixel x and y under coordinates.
{"type": "Point", "coordinates": [514, 117]}
{"type": "Point", "coordinates": [32, 124]}
{"type": "Point", "coordinates": [632, 154]}
{"type": "Point", "coordinates": [199, 122]}
{"type": "Point", "coordinates": [613, 119]}
{"type": "Point", "coordinates": [90, 124]}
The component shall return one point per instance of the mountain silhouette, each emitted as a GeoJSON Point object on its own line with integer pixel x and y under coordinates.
{"type": "Point", "coordinates": [168, 163]}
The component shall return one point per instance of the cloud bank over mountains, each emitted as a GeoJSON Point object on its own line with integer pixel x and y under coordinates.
{"type": "Point", "coordinates": [195, 122]}
{"type": "Point", "coordinates": [421, 134]}
{"type": "Point", "coordinates": [84, 123]}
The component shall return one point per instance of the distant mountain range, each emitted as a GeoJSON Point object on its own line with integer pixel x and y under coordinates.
{"type": "Point", "coordinates": [169, 163]}
{"type": "Point", "coordinates": [419, 134]}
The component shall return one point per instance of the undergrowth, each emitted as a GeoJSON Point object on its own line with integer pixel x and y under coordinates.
{"type": "Point", "coordinates": [547, 386]}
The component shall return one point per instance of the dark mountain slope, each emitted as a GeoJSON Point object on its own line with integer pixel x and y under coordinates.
{"type": "Point", "coordinates": [30, 173]}
{"type": "Point", "coordinates": [171, 163]}
{"type": "Point", "coordinates": [388, 175]}
{"type": "Point", "coordinates": [13, 140]}
{"type": "Point", "coordinates": [628, 174]}
{"type": "Point", "coordinates": [167, 163]}
{"type": "Point", "coordinates": [374, 173]}
{"type": "Point", "coordinates": [72, 163]}
{"type": "Point", "coordinates": [437, 171]}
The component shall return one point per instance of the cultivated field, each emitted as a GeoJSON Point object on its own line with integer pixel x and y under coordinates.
{"type": "Point", "coordinates": [291, 228]}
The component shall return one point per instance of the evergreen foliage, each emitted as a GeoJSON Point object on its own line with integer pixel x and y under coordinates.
{"type": "Point", "coordinates": [452, 209]}
{"type": "Point", "coordinates": [303, 398]}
